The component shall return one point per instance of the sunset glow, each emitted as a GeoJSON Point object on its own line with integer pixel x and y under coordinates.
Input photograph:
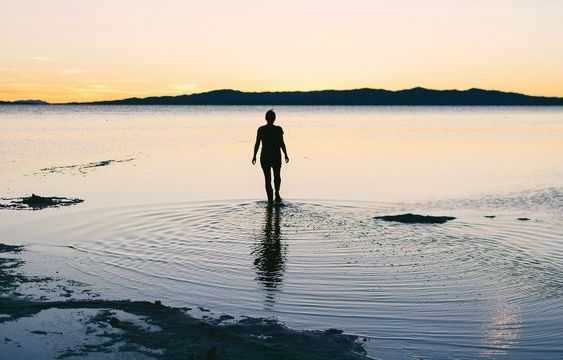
{"type": "Point", "coordinates": [63, 51]}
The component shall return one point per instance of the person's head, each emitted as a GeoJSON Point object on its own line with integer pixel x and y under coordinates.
{"type": "Point", "coordinates": [270, 116]}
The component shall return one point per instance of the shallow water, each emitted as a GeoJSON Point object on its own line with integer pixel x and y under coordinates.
{"type": "Point", "coordinates": [159, 227]}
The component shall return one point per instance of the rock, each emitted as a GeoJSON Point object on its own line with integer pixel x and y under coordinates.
{"type": "Point", "coordinates": [36, 202]}
{"type": "Point", "coordinates": [225, 317]}
{"type": "Point", "coordinates": [416, 219]}
{"type": "Point", "coordinates": [523, 219]}
{"type": "Point", "coordinates": [490, 216]}
{"type": "Point", "coordinates": [211, 353]}
{"type": "Point", "coordinates": [114, 322]}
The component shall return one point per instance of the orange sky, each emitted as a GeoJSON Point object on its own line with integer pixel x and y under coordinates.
{"type": "Point", "coordinates": [67, 50]}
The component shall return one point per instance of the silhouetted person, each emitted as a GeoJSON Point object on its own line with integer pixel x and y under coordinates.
{"type": "Point", "coordinates": [269, 254]}
{"type": "Point", "coordinates": [271, 137]}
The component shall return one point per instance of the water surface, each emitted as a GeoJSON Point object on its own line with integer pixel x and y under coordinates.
{"type": "Point", "coordinates": [183, 222]}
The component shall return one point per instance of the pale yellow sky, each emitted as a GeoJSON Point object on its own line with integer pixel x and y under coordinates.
{"type": "Point", "coordinates": [69, 50]}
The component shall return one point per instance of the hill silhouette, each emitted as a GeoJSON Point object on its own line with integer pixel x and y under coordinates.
{"type": "Point", "coordinates": [415, 96]}
{"type": "Point", "coordinates": [24, 102]}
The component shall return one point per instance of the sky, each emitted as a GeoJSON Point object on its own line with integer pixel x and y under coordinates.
{"type": "Point", "coordinates": [69, 50]}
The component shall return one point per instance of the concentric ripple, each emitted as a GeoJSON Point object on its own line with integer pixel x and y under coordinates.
{"type": "Point", "coordinates": [474, 287]}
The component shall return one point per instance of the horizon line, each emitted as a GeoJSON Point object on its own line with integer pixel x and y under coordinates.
{"type": "Point", "coordinates": [280, 91]}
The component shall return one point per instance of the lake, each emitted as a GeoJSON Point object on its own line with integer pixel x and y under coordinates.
{"type": "Point", "coordinates": [174, 211]}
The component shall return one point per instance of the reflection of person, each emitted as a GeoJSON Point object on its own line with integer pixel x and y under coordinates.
{"type": "Point", "coordinates": [269, 253]}
{"type": "Point", "coordinates": [271, 137]}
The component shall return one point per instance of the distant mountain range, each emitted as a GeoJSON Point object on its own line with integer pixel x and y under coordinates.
{"type": "Point", "coordinates": [416, 96]}
{"type": "Point", "coordinates": [24, 102]}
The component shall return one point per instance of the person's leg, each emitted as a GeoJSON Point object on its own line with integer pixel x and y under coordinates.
{"type": "Point", "coordinates": [268, 180]}
{"type": "Point", "coordinates": [277, 181]}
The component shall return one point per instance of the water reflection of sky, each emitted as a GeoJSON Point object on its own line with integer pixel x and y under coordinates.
{"type": "Point", "coordinates": [349, 153]}
{"type": "Point", "coordinates": [502, 328]}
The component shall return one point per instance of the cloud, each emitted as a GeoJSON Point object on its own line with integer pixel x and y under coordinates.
{"type": "Point", "coordinates": [72, 71]}
{"type": "Point", "coordinates": [7, 69]}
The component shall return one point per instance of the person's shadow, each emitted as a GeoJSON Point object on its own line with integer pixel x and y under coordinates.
{"type": "Point", "coordinates": [269, 253]}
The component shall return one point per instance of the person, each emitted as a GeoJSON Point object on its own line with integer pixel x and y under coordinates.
{"type": "Point", "coordinates": [271, 137]}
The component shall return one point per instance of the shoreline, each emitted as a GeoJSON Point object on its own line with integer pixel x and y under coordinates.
{"type": "Point", "coordinates": [155, 331]}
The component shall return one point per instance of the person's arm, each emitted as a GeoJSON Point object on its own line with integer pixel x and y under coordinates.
{"type": "Point", "coordinates": [284, 149]}
{"type": "Point", "coordinates": [256, 146]}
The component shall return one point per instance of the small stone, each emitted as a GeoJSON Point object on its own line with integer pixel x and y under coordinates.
{"type": "Point", "coordinates": [114, 322]}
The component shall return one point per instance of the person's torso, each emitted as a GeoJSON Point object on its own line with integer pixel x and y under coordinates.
{"type": "Point", "coordinates": [271, 140]}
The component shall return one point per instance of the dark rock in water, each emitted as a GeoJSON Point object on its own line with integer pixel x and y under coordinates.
{"type": "Point", "coordinates": [211, 353]}
{"type": "Point", "coordinates": [490, 216]}
{"type": "Point", "coordinates": [36, 202]}
{"type": "Point", "coordinates": [114, 322]}
{"type": "Point", "coordinates": [523, 219]}
{"type": "Point", "coordinates": [10, 248]}
{"type": "Point", "coordinates": [416, 219]}
{"type": "Point", "coordinates": [39, 332]}
{"type": "Point", "coordinates": [225, 317]}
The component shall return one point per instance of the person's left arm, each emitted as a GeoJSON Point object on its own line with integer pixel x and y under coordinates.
{"type": "Point", "coordinates": [283, 147]}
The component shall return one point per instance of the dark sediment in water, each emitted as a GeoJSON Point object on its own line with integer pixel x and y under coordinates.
{"type": "Point", "coordinates": [82, 168]}
{"type": "Point", "coordinates": [10, 277]}
{"type": "Point", "coordinates": [171, 333]}
{"type": "Point", "coordinates": [36, 202]}
{"type": "Point", "coordinates": [10, 248]}
{"type": "Point", "coordinates": [181, 336]}
{"type": "Point", "coordinates": [415, 219]}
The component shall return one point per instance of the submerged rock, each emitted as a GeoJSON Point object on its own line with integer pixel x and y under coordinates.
{"type": "Point", "coordinates": [36, 202]}
{"type": "Point", "coordinates": [415, 219]}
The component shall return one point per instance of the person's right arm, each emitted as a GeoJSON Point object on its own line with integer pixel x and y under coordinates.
{"type": "Point", "coordinates": [256, 146]}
